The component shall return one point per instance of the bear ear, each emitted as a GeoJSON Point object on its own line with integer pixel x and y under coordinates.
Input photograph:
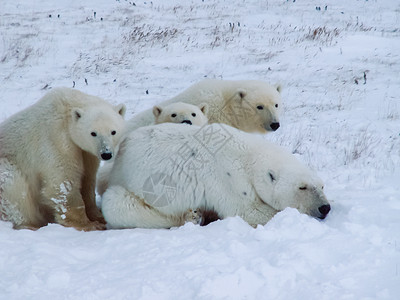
{"type": "Point", "coordinates": [278, 87]}
{"type": "Point", "coordinates": [76, 114]}
{"type": "Point", "coordinates": [157, 111]}
{"type": "Point", "coordinates": [240, 94]}
{"type": "Point", "coordinates": [120, 109]}
{"type": "Point", "coordinates": [204, 108]}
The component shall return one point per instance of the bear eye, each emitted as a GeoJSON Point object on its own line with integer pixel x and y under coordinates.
{"type": "Point", "coordinates": [303, 188]}
{"type": "Point", "coordinates": [113, 132]}
{"type": "Point", "coordinates": [93, 133]}
{"type": "Point", "coordinates": [276, 105]}
{"type": "Point", "coordinates": [193, 114]}
{"type": "Point", "coordinates": [173, 115]}
{"type": "Point", "coordinates": [260, 107]}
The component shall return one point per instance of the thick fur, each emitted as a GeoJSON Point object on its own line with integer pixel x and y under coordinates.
{"type": "Point", "coordinates": [180, 112]}
{"type": "Point", "coordinates": [49, 156]}
{"type": "Point", "coordinates": [249, 105]}
{"type": "Point", "coordinates": [213, 168]}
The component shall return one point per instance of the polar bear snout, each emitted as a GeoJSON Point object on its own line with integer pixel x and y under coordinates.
{"type": "Point", "coordinates": [106, 155]}
{"type": "Point", "coordinates": [274, 126]}
{"type": "Point", "coordinates": [106, 148]}
{"type": "Point", "coordinates": [187, 122]}
{"type": "Point", "coordinates": [324, 210]}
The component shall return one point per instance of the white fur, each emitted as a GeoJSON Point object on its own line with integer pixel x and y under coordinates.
{"type": "Point", "coordinates": [231, 102]}
{"type": "Point", "coordinates": [215, 167]}
{"type": "Point", "coordinates": [180, 112]}
{"type": "Point", "coordinates": [172, 113]}
{"type": "Point", "coordinates": [49, 156]}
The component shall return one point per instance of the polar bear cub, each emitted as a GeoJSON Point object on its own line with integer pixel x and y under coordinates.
{"type": "Point", "coordinates": [181, 113]}
{"type": "Point", "coordinates": [49, 156]}
{"type": "Point", "coordinates": [163, 171]}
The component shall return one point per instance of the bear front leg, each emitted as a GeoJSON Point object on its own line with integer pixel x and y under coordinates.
{"type": "Point", "coordinates": [68, 206]}
{"type": "Point", "coordinates": [88, 187]}
{"type": "Point", "coordinates": [258, 213]}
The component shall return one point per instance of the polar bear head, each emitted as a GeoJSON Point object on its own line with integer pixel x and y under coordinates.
{"type": "Point", "coordinates": [181, 113]}
{"type": "Point", "coordinates": [283, 181]}
{"type": "Point", "coordinates": [255, 106]}
{"type": "Point", "coordinates": [97, 129]}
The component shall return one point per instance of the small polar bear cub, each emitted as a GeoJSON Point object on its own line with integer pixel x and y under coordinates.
{"type": "Point", "coordinates": [181, 113]}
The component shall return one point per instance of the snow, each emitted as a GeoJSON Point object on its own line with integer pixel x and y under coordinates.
{"type": "Point", "coordinates": [60, 202]}
{"type": "Point", "coordinates": [348, 132]}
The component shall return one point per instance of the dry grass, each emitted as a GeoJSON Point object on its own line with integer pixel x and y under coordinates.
{"type": "Point", "coordinates": [150, 35]}
{"type": "Point", "coordinates": [362, 146]}
{"type": "Point", "coordinates": [19, 50]}
{"type": "Point", "coordinates": [322, 35]}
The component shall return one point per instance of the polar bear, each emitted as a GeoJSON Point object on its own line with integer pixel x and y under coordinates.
{"type": "Point", "coordinates": [180, 112]}
{"type": "Point", "coordinates": [162, 172]}
{"type": "Point", "coordinates": [49, 156]}
{"type": "Point", "coordinates": [249, 105]}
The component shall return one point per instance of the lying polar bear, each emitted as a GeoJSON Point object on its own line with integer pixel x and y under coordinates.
{"type": "Point", "coordinates": [163, 172]}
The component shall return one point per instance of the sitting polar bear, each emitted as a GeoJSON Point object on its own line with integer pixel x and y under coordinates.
{"type": "Point", "coordinates": [181, 113]}
{"type": "Point", "coordinates": [163, 172]}
{"type": "Point", "coordinates": [249, 105]}
{"type": "Point", "coordinates": [49, 156]}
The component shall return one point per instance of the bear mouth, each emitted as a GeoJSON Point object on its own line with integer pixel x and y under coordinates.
{"type": "Point", "coordinates": [187, 122]}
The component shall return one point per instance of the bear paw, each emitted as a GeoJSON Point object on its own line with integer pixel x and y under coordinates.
{"type": "Point", "coordinates": [193, 216]}
{"type": "Point", "coordinates": [96, 216]}
{"type": "Point", "coordinates": [91, 226]}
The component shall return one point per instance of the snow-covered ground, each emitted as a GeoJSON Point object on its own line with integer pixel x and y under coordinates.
{"type": "Point", "coordinates": [339, 66]}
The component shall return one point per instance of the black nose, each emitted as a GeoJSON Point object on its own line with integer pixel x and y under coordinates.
{"type": "Point", "coordinates": [106, 156]}
{"type": "Point", "coordinates": [274, 126]}
{"type": "Point", "coordinates": [187, 122]}
{"type": "Point", "coordinates": [324, 210]}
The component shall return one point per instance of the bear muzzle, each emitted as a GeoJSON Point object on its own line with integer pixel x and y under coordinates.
{"type": "Point", "coordinates": [187, 122]}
